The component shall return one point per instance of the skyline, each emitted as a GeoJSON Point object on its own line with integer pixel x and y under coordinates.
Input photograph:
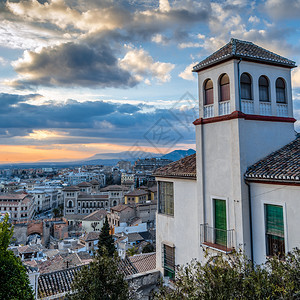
{"type": "Point", "coordinates": [82, 77]}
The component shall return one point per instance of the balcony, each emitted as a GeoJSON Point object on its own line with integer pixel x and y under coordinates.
{"type": "Point", "coordinates": [265, 108]}
{"type": "Point", "coordinates": [247, 106]}
{"type": "Point", "coordinates": [217, 239]}
{"type": "Point", "coordinates": [224, 108]}
{"type": "Point", "coordinates": [282, 110]}
{"type": "Point", "coordinates": [208, 111]}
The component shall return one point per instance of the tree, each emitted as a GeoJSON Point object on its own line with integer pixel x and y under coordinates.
{"type": "Point", "coordinates": [101, 279]}
{"type": "Point", "coordinates": [148, 248]}
{"type": "Point", "coordinates": [106, 240]}
{"type": "Point", "coordinates": [56, 212]}
{"type": "Point", "coordinates": [235, 277]}
{"type": "Point", "coordinates": [94, 225]}
{"type": "Point", "coordinates": [14, 282]}
{"type": "Point", "coordinates": [132, 251]}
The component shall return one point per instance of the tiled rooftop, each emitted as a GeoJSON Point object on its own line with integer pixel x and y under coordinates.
{"type": "Point", "coordinates": [119, 207]}
{"type": "Point", "coordinates": [71, 188]}
{"type": "Point", "coordinates": [136, 193]}
{"type": "Point", "coordinates": [114, 188]}
{"type": "Point", "coordinates": [56, 282]}
{"type": "Point", "coordinates": [144, 262]}
{"type": "Point", "coordinates": [97, 215]}
{"type": "Point", "coordinates": [183, 168]}
{"type": "Point", "coordinates": [247, 50]}
{"type": "Point", "coordinates": [60, 282]}
{"type": "Point", "coordinates": [281, 165]}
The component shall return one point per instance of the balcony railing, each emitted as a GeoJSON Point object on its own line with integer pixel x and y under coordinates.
{"type": "Point", "coordinates": [248, 106]}
{"type": "Point", "coordinates": [208, 111]}
{"type": "Point", "coordinates": [282, 110]}
{"type": "Point", "coordinates": [218, 239]}
{"type": "Point", "coordinates": [224, 108]}
{"type": "Point", "coordinates": [265, 108]}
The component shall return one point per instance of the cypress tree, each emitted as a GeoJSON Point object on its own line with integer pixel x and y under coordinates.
{"type": "Point", "coordinates": [106, 240]}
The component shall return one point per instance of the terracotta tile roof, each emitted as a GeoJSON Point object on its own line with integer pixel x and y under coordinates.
{"type": "Point", "coordinates": [94, 182]}
{"type": "Point", "coordinates": [84, 184]}
{"type": "Point", "coordinates": [119, 207]}
{"type": "Point", "coordinates": [114, 188]}
{"type": "Point", "coordinates": [97, 215]}
{"type": "Point", "coordinates": [60, 282]}
{"type": "Point", "coordinates": [126, 267]}
{"type": "Point", "coordinates": [183, 168]}
{"type": "Point", "coordinates": [144, 262]}
{"type": "Point", "coordinates": [91, 236]}
{"type": "Point", "coordinates": [59, 262]}
{"type": "Point", "coordinates": [281, 165]}
{"type": "Point", "coordinates": [243, 49]}
{"type": "Point", "coordinates": [56, 282]}
{"type": "Point", "coordinates": [71, 188]}
{"type": "Point", "coordinates": [135, 193]}
{"type": "Point", "coordinates": [14, 196]}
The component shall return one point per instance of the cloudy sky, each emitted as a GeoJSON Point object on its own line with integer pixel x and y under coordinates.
{"type": "Point", "coordinates": [84, 77]}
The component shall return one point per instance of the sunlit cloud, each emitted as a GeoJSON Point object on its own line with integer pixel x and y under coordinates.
{"type": "Point", "coordinates": [45, 134]}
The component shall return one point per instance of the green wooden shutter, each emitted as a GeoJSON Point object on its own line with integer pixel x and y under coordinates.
{"type": "Point", "coordinates": [274, 220]}
{"type": "Point", "coordinates": [220, 222]}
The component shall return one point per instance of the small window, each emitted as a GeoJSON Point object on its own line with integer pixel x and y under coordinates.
{"type": "Point", "coordinates": [224, 88]}
{"type": "Point", "coordinates": [246, 87]}
{"type": "Point", "coordinates": [166, 198]}
{"type": "Point", "coordinates": [274, 230]}
{"type": "Point", "coordinates": [169, 261]}
{"type": "Point", "coordinates": [280, 91]}
{"type": "Point", "coordinates": [263, 83]}
{"type": "Point", "coordinates": [208, 92]}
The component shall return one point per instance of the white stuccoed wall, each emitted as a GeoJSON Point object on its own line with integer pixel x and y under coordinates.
{"type": "Point", "coordinates": [182, 230]}
{"type": "Point", "coordinates": [284, 195]}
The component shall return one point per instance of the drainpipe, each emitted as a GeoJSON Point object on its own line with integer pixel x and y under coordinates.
{"type": "Point", "coordinates": [250, 219]}
{"type": "Point", "coordinates": [239, 82]}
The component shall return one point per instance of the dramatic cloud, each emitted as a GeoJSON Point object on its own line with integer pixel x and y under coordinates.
{"type": "Point", "coordinates": [72, 64]}
{"type": "Point", "coordinates": [140, 63]}
{"type": "Point", "coordinates": [90, 122]}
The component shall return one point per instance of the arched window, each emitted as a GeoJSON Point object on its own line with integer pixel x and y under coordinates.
{"type": "Point", "coordinates": [280, 91]}
{"type": "Point", "coordinates": [224, 88]}
{"type": "Point", "coordinates": [263, 83]}
{"type": "Point", "coordinates": [70, 204]}
{"type": "Point", "coordinates": [246, 87]}
{"type": "Point", "coordinates": [208, 92]}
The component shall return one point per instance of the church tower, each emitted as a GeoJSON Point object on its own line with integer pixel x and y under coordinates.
{"type": "Point", "coordinates": [246, 112]}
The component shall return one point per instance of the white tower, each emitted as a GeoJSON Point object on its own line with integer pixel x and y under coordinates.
{"type": "Point", "coordinates": [245, 114]}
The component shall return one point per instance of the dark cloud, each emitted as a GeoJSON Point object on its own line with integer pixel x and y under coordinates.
{"type": "Point", "coordinates": [73, 65]}
{"type": "Point", "coordinates": [86, 122]}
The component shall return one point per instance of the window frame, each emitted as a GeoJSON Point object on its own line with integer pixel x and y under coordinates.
{"type": "Point", "coordinates": [264, 89]}
{"type": "Point", "coordinates": [270, 252]}
{"type": "Point", "coordinates": [224, 89]}
{"type": "Point", "coordinates": [208, 92]}
{"type": "Point", "coordinates": [281, 90]}
{"type": "Point", "coordinates": [165, 206]}
{"type": "Point", "coordinates": [248, 85]}
{"type": "Point", "coordinates": [168, 263]}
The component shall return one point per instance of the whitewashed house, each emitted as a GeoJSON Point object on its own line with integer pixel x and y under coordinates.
{"type": "Point", "coordinates": [241, 189]}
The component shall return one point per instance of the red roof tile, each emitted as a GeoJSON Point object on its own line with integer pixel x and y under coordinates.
{"type": "Point", "coordinates": [183, 168]}
{"type": "Point", "coordinates": [281, 165]}
{"type": "Point", "coordinates": [243, 49]}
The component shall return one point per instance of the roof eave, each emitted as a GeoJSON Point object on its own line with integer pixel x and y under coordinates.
{"type": "Point", "coordinates": [234, 56]}
{"type": "Point", "coordinates": [272, 180]}
{"type": "Point", "coordinates": [177, 177]}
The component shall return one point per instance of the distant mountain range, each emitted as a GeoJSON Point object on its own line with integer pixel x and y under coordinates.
{"type": "Point", "coordinates": [106, 159]}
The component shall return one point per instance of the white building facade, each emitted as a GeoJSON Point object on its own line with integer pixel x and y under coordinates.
{"type": "Point", "coordinates": [246, 113]}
